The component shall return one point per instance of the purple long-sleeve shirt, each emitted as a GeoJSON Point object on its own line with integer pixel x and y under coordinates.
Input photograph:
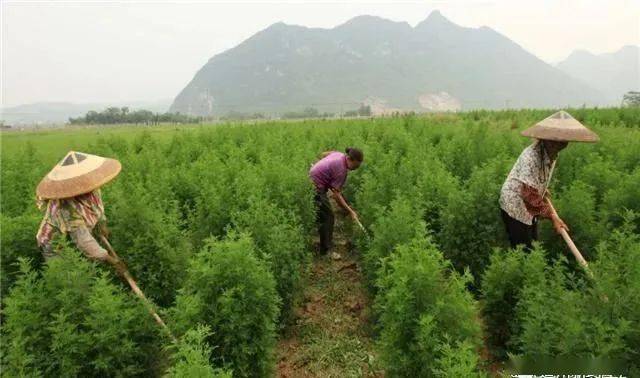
{"type": "Point", "coordinates": [330, 172]}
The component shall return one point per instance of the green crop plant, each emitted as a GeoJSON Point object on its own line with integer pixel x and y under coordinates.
{"type": "Point", "coordinates": [71, 320]}
{"type": "Point", "coordinates": [435, 177]}
{"type": "Point", "coordinates": [424, 312]}
{"type": "Point", "coordinates": [231, 290]}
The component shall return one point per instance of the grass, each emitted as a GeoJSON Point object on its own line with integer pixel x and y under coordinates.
{"type": "Point", "coordinates": [332, 333]}
{"type": "Point", "coordinates": [56, 142]}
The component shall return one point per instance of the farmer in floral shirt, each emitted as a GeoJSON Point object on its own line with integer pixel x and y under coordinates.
{"type": "Point", "coordinates": [524, 197]}
{"type": "Point", "coordinates": [76, 217]}
{"type": "Point", "coordinates": [71, 199]}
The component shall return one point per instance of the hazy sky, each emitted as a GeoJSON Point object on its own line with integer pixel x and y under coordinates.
{"type": "Point", "coordinates": [116, 51]}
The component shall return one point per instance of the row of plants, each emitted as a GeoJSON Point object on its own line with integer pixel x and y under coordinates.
{"type": "Point", "coordinates": [213, 222]}
{"type": "Point", "coordinates": [534, 305]}
{"type": "Point", "coordinates": [427, 319]}
{"type": "Point", "coordinates": [449, 182]}
{"type": "Point", "coordinates": [215, 237]}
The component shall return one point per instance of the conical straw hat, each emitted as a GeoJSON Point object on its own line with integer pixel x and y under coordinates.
{"type": "Point", "coordinates": [561, 126]}
{"type": "Point", "coordinates": [76, 174]}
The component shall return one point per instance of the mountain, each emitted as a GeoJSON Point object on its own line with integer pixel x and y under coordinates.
{"type": "Point", "coordinates": [436, 65]}
{"type": "Point", "coordinates": [42, 113]}
{"type": "Point", "coordinates": [614, 74]}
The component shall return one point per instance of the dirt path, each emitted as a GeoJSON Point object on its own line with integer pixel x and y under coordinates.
{"type": "Point", "coordinates": [331, 335]}
{"type": "Point", "coordinates": [492, 366]}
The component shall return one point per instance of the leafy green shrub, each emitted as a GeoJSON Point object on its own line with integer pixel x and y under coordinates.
{"type": "Point", "coordinates": [232, 291]}
{"type": "Point", "coordinates": [113, 145]}
{"type": "Point", "coordinates": [436, 187]}
{"type": "Point", "coordinates": [615, 295]}
{"type": "Point", "coordinates": [191, 357]}
{"type": "Point", "coordinates": [374, 191]}
{"type": "Point", "coordinates": [577, 207]}
{"type": "Point", "coordinates": [68, 322]}
{"type": "Point", "coordinates": [397, 225]}
{"type": "Point", "coordinates": [280, 242]}
{"type": "Point", "coordinates": [179, 187]}
{"type": "Point", "coordinates": [149, 239]}
{"type": "Point", "coordinates": [19, 176]}
{"type": "Point", "coordinates": [553, 319]}
{"type": "Point", "coordinates": [18, 239]}
{"type": "Point", "coordinates": [370, 195]}
{"type": "Point", "coordinates": [460, 165]}
{"type": "Point", "coordinates": [601, 175]}
{"type": "Point", "coordinates": [533, 308]}
{"type": "Point", "coordinates": [459, 360]}
{"type": "Point", "coordinates": [471, 224]}
{"type": "Point", "coordinates": [287, 185]}
{"type": "Point", "coordinates": [619, 199]}
{"type": "Point", "coordinates": [424, 306]}
{"type": "Point", "coordinates": [501, 287]}
{"type": "Point", "coordinates": [210, 213]}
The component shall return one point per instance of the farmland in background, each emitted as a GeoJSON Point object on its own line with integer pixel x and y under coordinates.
{"type": "Point", "coordinates": [217, 224]}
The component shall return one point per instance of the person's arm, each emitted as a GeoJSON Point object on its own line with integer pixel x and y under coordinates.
{"type": "Point", "coordinates": [337, 195]}
{"type": "Point", "coordinates": [325, 154]}
{"type": "Point", "coordinates": [101, 225]}
{"type": "Point", "coordinates": [44, 239]}
{"type": "Point", "coordinates": [88, 245]}
{"type": "Point", "coordinates": [537, 205]}
{"type": "Point", "coordinates": [102, 228]}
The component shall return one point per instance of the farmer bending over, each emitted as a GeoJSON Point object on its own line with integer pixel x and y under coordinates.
{"type": "Point", "coordinates": [524, 197]}
{"type": "Point", "coordinates": [70, 195]}
{"type": "Point", "coordinates": [330, 174]}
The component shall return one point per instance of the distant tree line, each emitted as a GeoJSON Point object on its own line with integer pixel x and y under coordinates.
{"type": "Point", "coordinates": [310, 112]}
{"type": "Point", "coordinates": [241, 116]}
{"type": "Point", "coordinates": [631, 99]}
{"type": "Point", "coordinates": [116, 115]}
{"type": "Point", "coordinates": [123, 115]}
{"type": "Point", "coordinates": [362, 111]}
{"type": "Point", "coordinates": [306, 113]}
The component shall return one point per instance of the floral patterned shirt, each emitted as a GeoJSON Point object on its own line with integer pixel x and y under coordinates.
{"type": "Point", "coordinates": [67, 214]}
{"type": "Point", "coordinates": [522, 194]}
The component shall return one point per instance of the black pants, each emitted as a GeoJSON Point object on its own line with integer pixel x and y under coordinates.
{"type": "Point", "coordinates": [520, 233]}
{"type": "Point", "coordinates": [325, 221]}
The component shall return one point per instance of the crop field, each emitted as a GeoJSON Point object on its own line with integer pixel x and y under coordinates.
{"type": "Point", "coordinates": [217, 224]}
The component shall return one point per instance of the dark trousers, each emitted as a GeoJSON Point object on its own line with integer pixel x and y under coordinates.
{"type": "Point", "coordinates": [325, 221]}
{"type": "Point", "coordinates": [520, 233]}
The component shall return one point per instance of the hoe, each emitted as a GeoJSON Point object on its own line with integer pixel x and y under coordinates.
{"type": "Point", "coordinates": [134, 287]}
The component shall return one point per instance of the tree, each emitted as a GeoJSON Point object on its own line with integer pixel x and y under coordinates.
{"type": "Point", "coordinates": [115, 115]}
{"type": "Point", "coordinates": [306, 113]}
{"type": "Point", "coordinates": [631, 99]}
{"type": "Point", "coordinates": [364, 111]}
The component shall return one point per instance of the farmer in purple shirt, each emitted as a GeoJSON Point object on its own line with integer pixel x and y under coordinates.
{"type": "Point", "coordinates": [330, 174]}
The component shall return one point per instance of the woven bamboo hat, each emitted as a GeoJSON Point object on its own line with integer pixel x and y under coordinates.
{"type": "Point", "coordinates": [561, 126]}
{"type": "Point", "coordinates": [76, 174]}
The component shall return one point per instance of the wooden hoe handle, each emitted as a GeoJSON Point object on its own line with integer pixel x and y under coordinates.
{"type": "Point", "coordinates": [136, 289]}
{"type": "Point", "coordinates": [570, 243]}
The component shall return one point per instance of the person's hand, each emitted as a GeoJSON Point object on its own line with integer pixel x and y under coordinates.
{"type": "Point", "coordinates": [118, 265]}
{"type": "Point", "coordinates": [558, 224]}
